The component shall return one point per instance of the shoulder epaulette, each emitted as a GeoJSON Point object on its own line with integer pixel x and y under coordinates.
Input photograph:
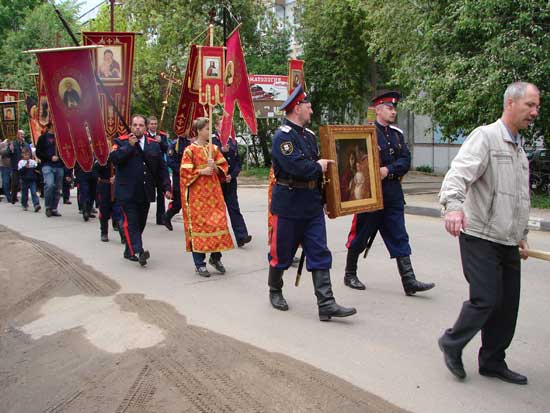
{"type": "Point", "coordinates": [285, 128]}
{"type": "Point", "coordinates": [310, 131]}
{"type": "Point", "coordinates": [123, 138]}
{"type": "Point", "coordinates": [397, 129]}
{"type": "Point", "coordinates": [151, 140]}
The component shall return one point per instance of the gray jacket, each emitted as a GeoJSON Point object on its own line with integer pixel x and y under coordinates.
{"type": "Point", "coordinates": [489, 181]}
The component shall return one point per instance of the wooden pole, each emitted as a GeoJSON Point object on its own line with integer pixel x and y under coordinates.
{"type": "Point", "coordinates": [210, 107]}
{"type": "Point", "coordinates": [112, 16]}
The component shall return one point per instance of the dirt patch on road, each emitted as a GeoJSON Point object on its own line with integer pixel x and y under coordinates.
{"type": "Point", "coordinates": [70, 343]}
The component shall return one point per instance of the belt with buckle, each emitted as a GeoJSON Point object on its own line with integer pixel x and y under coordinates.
{"type": "Point", "coordinates": [104, 181]}
{"type": "Point", "coordinates": [297, 184]}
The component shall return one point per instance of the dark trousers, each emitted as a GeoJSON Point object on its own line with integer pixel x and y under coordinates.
{"type": "Point", "coordinates": [200, 257]}
{"type": "Point", "coordinates": [287, 234]}
{"type": "Point", "coordinates": [15, 185]}
{"type": "Point", "coordinates": [161, 208]}
{"type": "Point", "coordinates": [134, 219]}
{"type": "Point", "coordinates": [390, 222]}
{"type": "Point", "coordinates": [175, 205]}
{"type": "Point", "coordinates": [6, 181]}
{"type": "Point", "coordinates": [232, 202]}
{"type": "Point", "coordinates": [107, 207]}
{"type": "Point", "coordinates": [66, 189]}
{"type": "Point", "coordinates": [27, 186]}
{"type": "Point", "coordinates": [493, 272]}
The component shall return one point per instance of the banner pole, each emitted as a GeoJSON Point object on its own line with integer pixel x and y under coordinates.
{"type": "Point", "coordinates": [210, 107]}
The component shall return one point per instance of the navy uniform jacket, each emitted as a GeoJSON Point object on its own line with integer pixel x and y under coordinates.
{"type": "Point", "coordinates": [175, 153]}
{"type": "Point", "coordinates": [295, 156]}
{"type": "Point", "coordinates": [46, 149]}
{"type": "Point", "coordinates": [232, 156]}
{"type": "Point", "coordinates": [15, 155]}
{"type": "Point", "coordinates": [138, 172]}
{"type": "Point", "coordinates": [395, 155]}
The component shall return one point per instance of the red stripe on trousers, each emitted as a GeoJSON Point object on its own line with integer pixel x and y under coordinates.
{"type": "Point", "coordinates": [126, 232]}
{"type": "Point", "coordinates": [352, 231]}
{"type": "Point", "coordinates": [273, 242]}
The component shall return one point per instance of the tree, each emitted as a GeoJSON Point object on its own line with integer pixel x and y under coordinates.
{"type": "Point", "coordinates": [338, 67]}
{"type": "Point", "coordinates": [453, 59]}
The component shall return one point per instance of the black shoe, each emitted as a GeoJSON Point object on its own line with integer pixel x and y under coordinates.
{"type": "Point", "coordinates": [453, 361]}
{"type": "Point", "coordinates": [122, 237]}
{"type": "Point", "coordinates": [37, 208]}
{"type": "Point", "coordinates": [93, 211]}
{"type": "Point", "coordinates": [86, 215]}
{"type": "Point", "coordinates": [48, 212]}
{"type": "Point", "coordinates": [335, 310]}
{"type": "Point", "coordinates": [104, 238]}
{"type": "Point", "coordinates": [202, 271]}
{"type": "Point", "coordinates": [278, 301]}
{"type": "Point", "coordinates": [352, 281]}
{"type": "Point", "coordinates": [115, 226]}
{"type": "Point", "coordinates": [55, 213]}
{"type": "Point", "coordinates": [217, 264]}
{"type": "Point", "coordinates": [131, 257]}
{"type": "Point", "coordinates": [167, 223]}
{"type": "Point", "coordinates": [504, 374]}
{"type": "Point", "coordinates": [91, 215]}
{"type": "Point", "coordinates": [67, 202]}
{"type": "Point", "coordinates": [143, 257]}
{"type": "Point", "coordinates": [245, 240]}
{"type": "Point", "coordinates": [411, 285]}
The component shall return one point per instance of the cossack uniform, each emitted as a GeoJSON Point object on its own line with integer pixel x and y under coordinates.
{"type": "Point", "coordinates": [297, 210]}
{"type": "Point", "coordinates": [108, 208]}
{"type": "Point", "coordinates": [390, 221]}
{"type": "Point", "coordinates": [138, 172]}
{"type": "Point", "coordinates": [161, 138]}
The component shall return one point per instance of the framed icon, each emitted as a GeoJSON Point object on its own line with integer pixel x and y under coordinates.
{"type": "Point", "coordinates": [353, 182]}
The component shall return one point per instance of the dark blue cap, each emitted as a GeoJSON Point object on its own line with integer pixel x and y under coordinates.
{"type": "Point", "coordinates": [297, 96]}
{"type": "Point", "coordinates": [389, 98]}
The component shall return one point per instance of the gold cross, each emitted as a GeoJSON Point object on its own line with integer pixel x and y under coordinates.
{"type": "Point", "coordinates": [171, 78]}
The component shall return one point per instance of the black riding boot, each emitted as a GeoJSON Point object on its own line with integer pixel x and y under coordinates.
{"type": "Point", "coordinates": [275, 283]}
{"type": "Point", "coordinates": [350, 276]}
{"type": "Point", "coordinates": [325, 299]}
{"type": "Point", "coordinates": [410, 284]}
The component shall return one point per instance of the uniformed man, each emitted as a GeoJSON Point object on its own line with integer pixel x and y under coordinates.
{"type": "Point", "coordinates": [108, 208]}
{"type": "Point", "coordinates": [162, 139]}
{"type": "Point", "coordinates": [140, 168]}
{"type": "Point", "coordinates": [175, 153]}
{"type": "Point", "coordinates": [297, 208]}
{"type": "Point", "coordinates": [395, 161]}
{"type": "Point", "coordinates": [86, 189]}
{"type": "Point", "coordinates": [229, 187]}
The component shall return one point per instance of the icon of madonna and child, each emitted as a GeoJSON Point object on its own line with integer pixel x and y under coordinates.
{"type": "Point", "coordinates": [353, 167]}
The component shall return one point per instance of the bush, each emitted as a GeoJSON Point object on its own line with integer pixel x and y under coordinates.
{"type": "Point", "coordinates": [425, 168]}
{"type": "Point", "coordinates": [540, 201]}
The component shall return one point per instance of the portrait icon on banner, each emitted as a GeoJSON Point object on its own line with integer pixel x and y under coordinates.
{"type": "Point", "coordinates": [43, 111]}
{"type": "Point", "coordinates": [9, 113]}
{"type": "Point", "coordinates": [296, 78]}
{"type": "Point", "coordinates": [109, 63]}
{"type": "Point", "coordinates": [212, 68]}
{"type": "Point", "coordinates": [69, 92]}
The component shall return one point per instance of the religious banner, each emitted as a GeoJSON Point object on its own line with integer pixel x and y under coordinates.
{"type": "Point", "coordinates": [295, 74]}
{"type": "Point", "coordinates": [43, 105]}
{"type": "Point", "coordinates": [113, 62]}
{"type": "Point", "coordinates": [9, 95]}
{"type": "Point", "coordinates": [74, 104]}
{"type": "Point", "coordinates": [31, 104]}
{"type": "Point", "coordinates": [189, 107]}
{"type": "Point", "coordinates": [9, 118]}
{"type": "Point", "coordinates": [237, 89]}
{"type": "Point", "coordinates": [211, 60]}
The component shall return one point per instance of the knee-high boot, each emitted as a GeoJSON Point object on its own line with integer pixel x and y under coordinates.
{"type": "Point", "coordinates": [410, 283]}
{"type": "Point", "coordinates": [325, 299]}
{"type": "Point", "coordinates": [275, 283]}
{"type": "Point", "coordinates": [350, 275]}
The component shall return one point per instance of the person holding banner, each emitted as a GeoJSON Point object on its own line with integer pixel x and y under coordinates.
{"type": "Point", "coordinates": [229, 187]}
{"type": "Point", "coordinates": [52, 170]}
{"type": "Point", "coordinates": [297, 208]}
{"type": "Point", "coordinates": [139, 169]}
{"type": "Point", "coordinates": [202, 168]}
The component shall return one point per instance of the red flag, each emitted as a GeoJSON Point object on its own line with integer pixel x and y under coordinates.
{"type": "Point", "coordinates": [237, 88]}
{"type": "Point", "coordinates": [113, 63]}
{"type": "Point", "coordinates": [74, 104]}
{"type": "Point", "coordinates": [189, 107]}
{"type": "Point", "coordinates": [295, 75]}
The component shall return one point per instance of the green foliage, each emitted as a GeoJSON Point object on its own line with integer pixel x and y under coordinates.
{"type": "Point", "coordinates": [454, 59]}
{"type": "Point", "coordinates": [340, 72]}
{"type": "Point", "coordinates": [425, 168]}
{"type": "Point", "coordinates": [260, 173]}
{"type": "Point", "coordinates": [12, 14]}
{"type": "Point", "coordinates": [540, 201]}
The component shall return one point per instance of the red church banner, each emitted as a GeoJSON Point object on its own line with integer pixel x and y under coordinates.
{"type": "Point", "coordinates": [211, 60]}
{"type": "Point", "coordinates": [295, 74]}
{"type": "Point", "coordinates": [9, 95]}
{"type": "Point", "coordinates": [189, 107]}
{"type": "Point", "coordinates": [113, 62]}
{"type": "Point", "coordinates": [237, 89]}
{"type": "Point", "coordinates": [74, 104]}
{"type": "Point", "coordinates": [9, 112]}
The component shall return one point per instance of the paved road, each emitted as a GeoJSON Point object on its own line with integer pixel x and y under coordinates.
{"type": "Point", "coordinates": [389, 348]}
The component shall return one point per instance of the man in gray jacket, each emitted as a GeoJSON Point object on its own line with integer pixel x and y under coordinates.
{"type": "Point", "coordinates": [485, 195]}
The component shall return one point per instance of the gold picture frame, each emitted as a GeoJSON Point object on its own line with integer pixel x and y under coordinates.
{"type": "Point", "coordinates": [353, 183]}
